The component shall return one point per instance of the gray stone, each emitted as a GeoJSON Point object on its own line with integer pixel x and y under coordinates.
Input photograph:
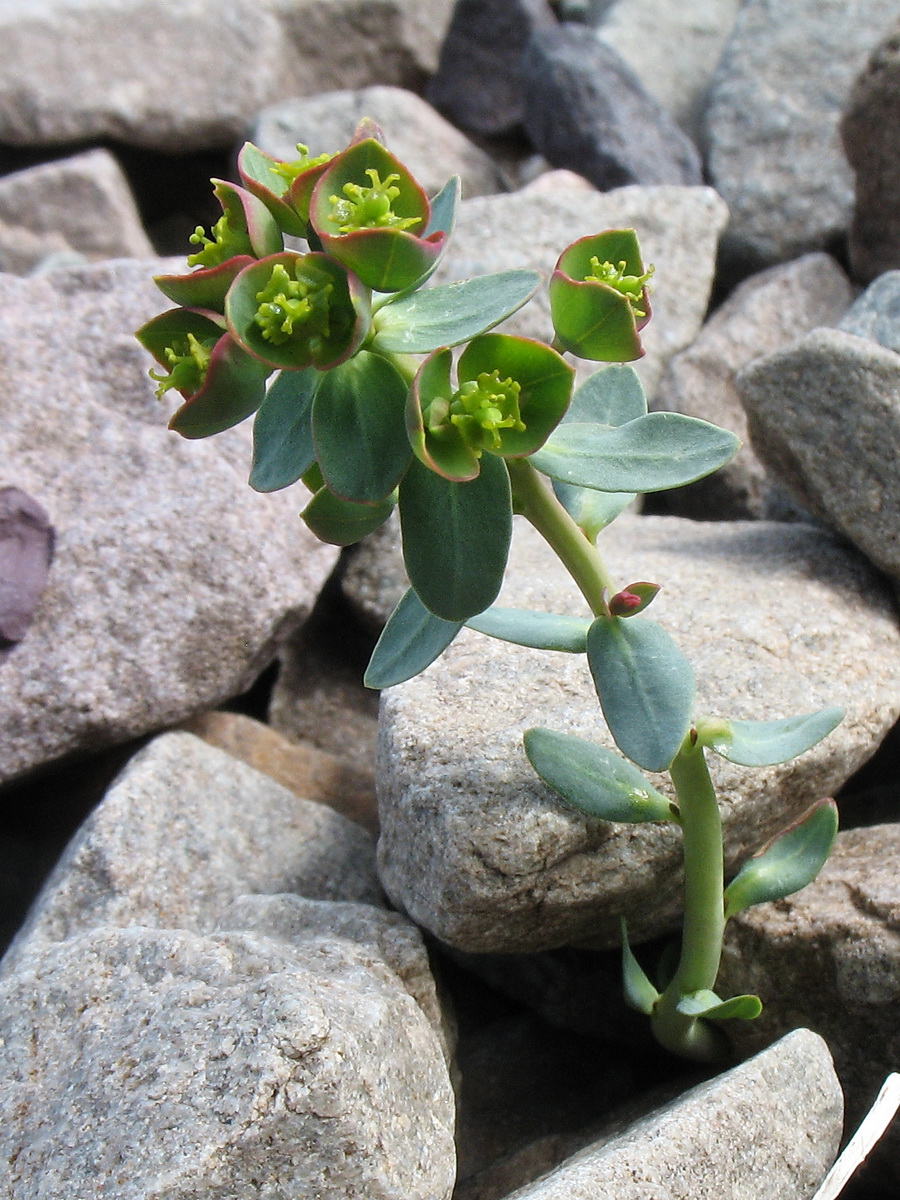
{"type": "Point", "coordinates": [678, 228]}
{"type": "Point", "coordinates": [84, 199]}
{"type": "Point", "coordinates": [26, 552]}
{"type": "Point", "coordinates": [673, 49]}
{"type": "Point", "coordinates": [182, 832]}
{"type": "Point", "coordinates": [145, 1063]}
{"type": "Point", "coordinates": [179, 75]}
{"type": "Point", "coordinates": [763, 314]}
{"type": "Point", "coordinates": [479, 83]}
{"type": "Point", "coordinates": [870, 131]}
{"type": "Point", "coordinates": [22, 250]}
{"type": "Point", "coordinates": [829, 956]}
{"type": "Point", "coordinates": [587, 111]}
{"type": "Point", "coordinates": [418, 135]}
{"type": "Point", "coordinates": [776, 620]}
{"type": "Point", "coordinates": [876, 313]}
{"type": "Point", "coordinates": [173, 582]}
{"type": "Point", "coordinates": [824, 415]}
{"type": "Point", "coordinates": [765, 1130]}
{"type": "Point", "coordinates": [772, 121]}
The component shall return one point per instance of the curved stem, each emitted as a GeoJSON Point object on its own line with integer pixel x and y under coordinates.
{"type": "Point", "coordinates": [704, 910]}
{"type": "Point", "coordinates": [536, 502]}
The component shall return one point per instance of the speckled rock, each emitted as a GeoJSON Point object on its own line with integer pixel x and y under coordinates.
{"type": "Point", "coordinates": [182, 832]}
{"type": "Point", "coordinates": [829, 957]}
{"type": "Point", "coordinates": [417, 134]}
{"type": "Point", "coordinates": [824, 415]}
{"type": "Point", "coordinates": [772, 122]}
{"type": "Point", "coordinates": [763, 314]}
{"type": "Point", "coordinates": [678, 228]}
{"type": "Point", "coordinates": [153, 72]}
{"type": "Point", "coordinates": [775, 619]}
{"type": "Point", "coordinates": [173, 582]}
{"type": "Point", "coordinates": [876, 313]}
{"type": "Point", "coordinates": [144, 1063]}
{"type": "Point", "coordinates": [766, 1130]}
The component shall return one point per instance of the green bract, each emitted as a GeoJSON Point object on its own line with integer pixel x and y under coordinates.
{"type": "Point", "coordinates": [511, 393]}
{"type": "Point", "coordinates": [598, 297]}
{"type": "Point", "coordinates": [284, 188]}
{"type": "Point", "coordinates": [245, 227]}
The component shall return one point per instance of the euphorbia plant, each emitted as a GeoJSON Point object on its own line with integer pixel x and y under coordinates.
{"type": "Point", "coordinates": [346, 357]}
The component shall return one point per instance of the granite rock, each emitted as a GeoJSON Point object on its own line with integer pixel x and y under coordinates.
{"type": "Point", "coordinates": [772, 122]}
{"type": "Point", "coordinates": [420, 137]}
{"type": "Point", "coordinates": [824, 416]}
{"type": "Point", "coordinates": [146, 1063]}
{"type": "Point", "coordinates": [173, 582]}
{"type": "Point", "coordinates": [767, 1130]}
{"type": "Point", "coordinates": [876, 313]}
{"type": "Point", "coordinates": [775, 619]}
{"type": "Point", "coordinates": [180, 75]}
{"type": "Point", "coordinates": [869, 130]}
{"type": "Point", "coordinates": [678, 228]}
{"type": "Point", "coordinates": [182, 832]}
{"type": "Point", "coordinates": [763, 314]}
{"type": "Point", "coordinates": [586, 111]}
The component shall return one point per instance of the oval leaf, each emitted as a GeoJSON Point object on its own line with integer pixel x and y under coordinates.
{"type": "Point", "coordinates": [456, 537]}
{"type": "Point", "coordinates": [789, 862]}
{"type": "Point", "coordinates": [765, 743]}
{"type": "Point", "coordinates": [359, 428]}
{"type": "Point", "coordinates": [639, 991]}
{"type": "Point", "coordinates": [541, 631]}
{"type": "Point", "coordinates": [410, 641]}
{"type": "Point", "coordinates": [341, 523]}
{"type": "Point", "coordinates": [707, 1004]}
{"type": "Point", "coordinates": [449, 315]}
{"type": "Point", "coordinates": [611, 396]}
{"type": "Point", "coordinates": [649, 454]}
{"type": "Point", "coordinates": [283, 448]}
{"type": "Point", "coordinates": [594, 780]}
{"type": "Point", "coordinates": [645, 686]}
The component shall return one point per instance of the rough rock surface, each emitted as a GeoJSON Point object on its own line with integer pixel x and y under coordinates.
{"type": "Point", "coordinates": [775, 619]}
{"type": "Point", "coordinates": [173, 582]}
{"type": "Point", "coordinates": [182, 832]}
{"type": "Point", "coordinates": [420, 137]}
{"type": "Point", "coordinates": [829, 957]}
{"type": "Point", "coordinates": [153, 72]}
{"type": "Point", "coordinates": [678, 228]}
{"type": "Point", "coordinates": [772, 122]}
{"type": "Point", "coordinates": [824, 415]}
{"type": "Point", "coordinates": [587, 111]}
{"type": "Point", "coordinates": [766, 1130]}
{"type": "Point", "coordinates": [142, 1063]}
{"type": "Point", "coordinates": [876, 313]}
{"type": "Point", "coordinates": [85, 200]}
{"type": "Point", "coordinates": [763, 314]}
{"type": "Point", "coordinates": [869, 130]}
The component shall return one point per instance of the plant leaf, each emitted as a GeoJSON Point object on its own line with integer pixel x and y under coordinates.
{"type": "Point", "coordinates": [661, 450]}
{"type": "Point", "coordinates": [645, 686]}
{"type": "Point", "coordinates": [446, 316]}
{"type": "Point", "coordinates": [234, 388]}
{"type": "Point", "coordinates": [359, 428]}
{"type": "Point", "coordinates": [707, 1004]}
{"type": "Point", "coordinates": [612, 396]}
{"type": "Point", "coordinates": [410, 641]}
{"type": "Point", "coordinates": [283, 448]}
{"type": "Point", "coordinates": [765, 743]}
{"type": "Point", "coordinates": [342, 523]}
{"type": "Point", "coordinates": [788, 863]}
{"type": "Point", "coordinates": [593, 779]}
{"type": "Point", "coordinates": [639, 991]}
{"type": "Point", "coordinates": [456, 537]}
{"type": "Point", "coordinates": [541, 631]}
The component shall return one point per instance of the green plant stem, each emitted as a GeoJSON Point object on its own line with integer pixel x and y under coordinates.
{"type": "Point", "coordinates": [704, 913]}
{"type": "Point", "coordinates": [535, 500]}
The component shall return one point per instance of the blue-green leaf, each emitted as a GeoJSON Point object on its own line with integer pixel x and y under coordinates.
{"type": "Point", "coordinates": [593, 779]}
{"type": "Point", "coordinates": [341, 522]}
{"type": "Point", "coordinates": [443, 208]}
{"type": "Point", "coordinates": [611, 396]}
{"type": "Point", "coordinates": [446, 316]}
{"type": "Point", "coordinates": [649, 454]}
{"type": "Point", "coordinates": [639, 991]}
{"type": "Point", "coordinates": [359, 428]}
{"type": "Point", "coordinates": [283, 448]}
{"type": "Point", "coordinates": [707, 1004]}
{"type": "Point", "coordinates": [541, 631]}
{"type": "Point", "coordinates": [456, 537]}
{"type": "Point", "coordinates": [765, 743]}
{"type": "Point", "coordinates": [788, 863]}
{"type": "Point", "coordinates": [645, 686]}
{"type": "Point", "coordinates": [410, 641]}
